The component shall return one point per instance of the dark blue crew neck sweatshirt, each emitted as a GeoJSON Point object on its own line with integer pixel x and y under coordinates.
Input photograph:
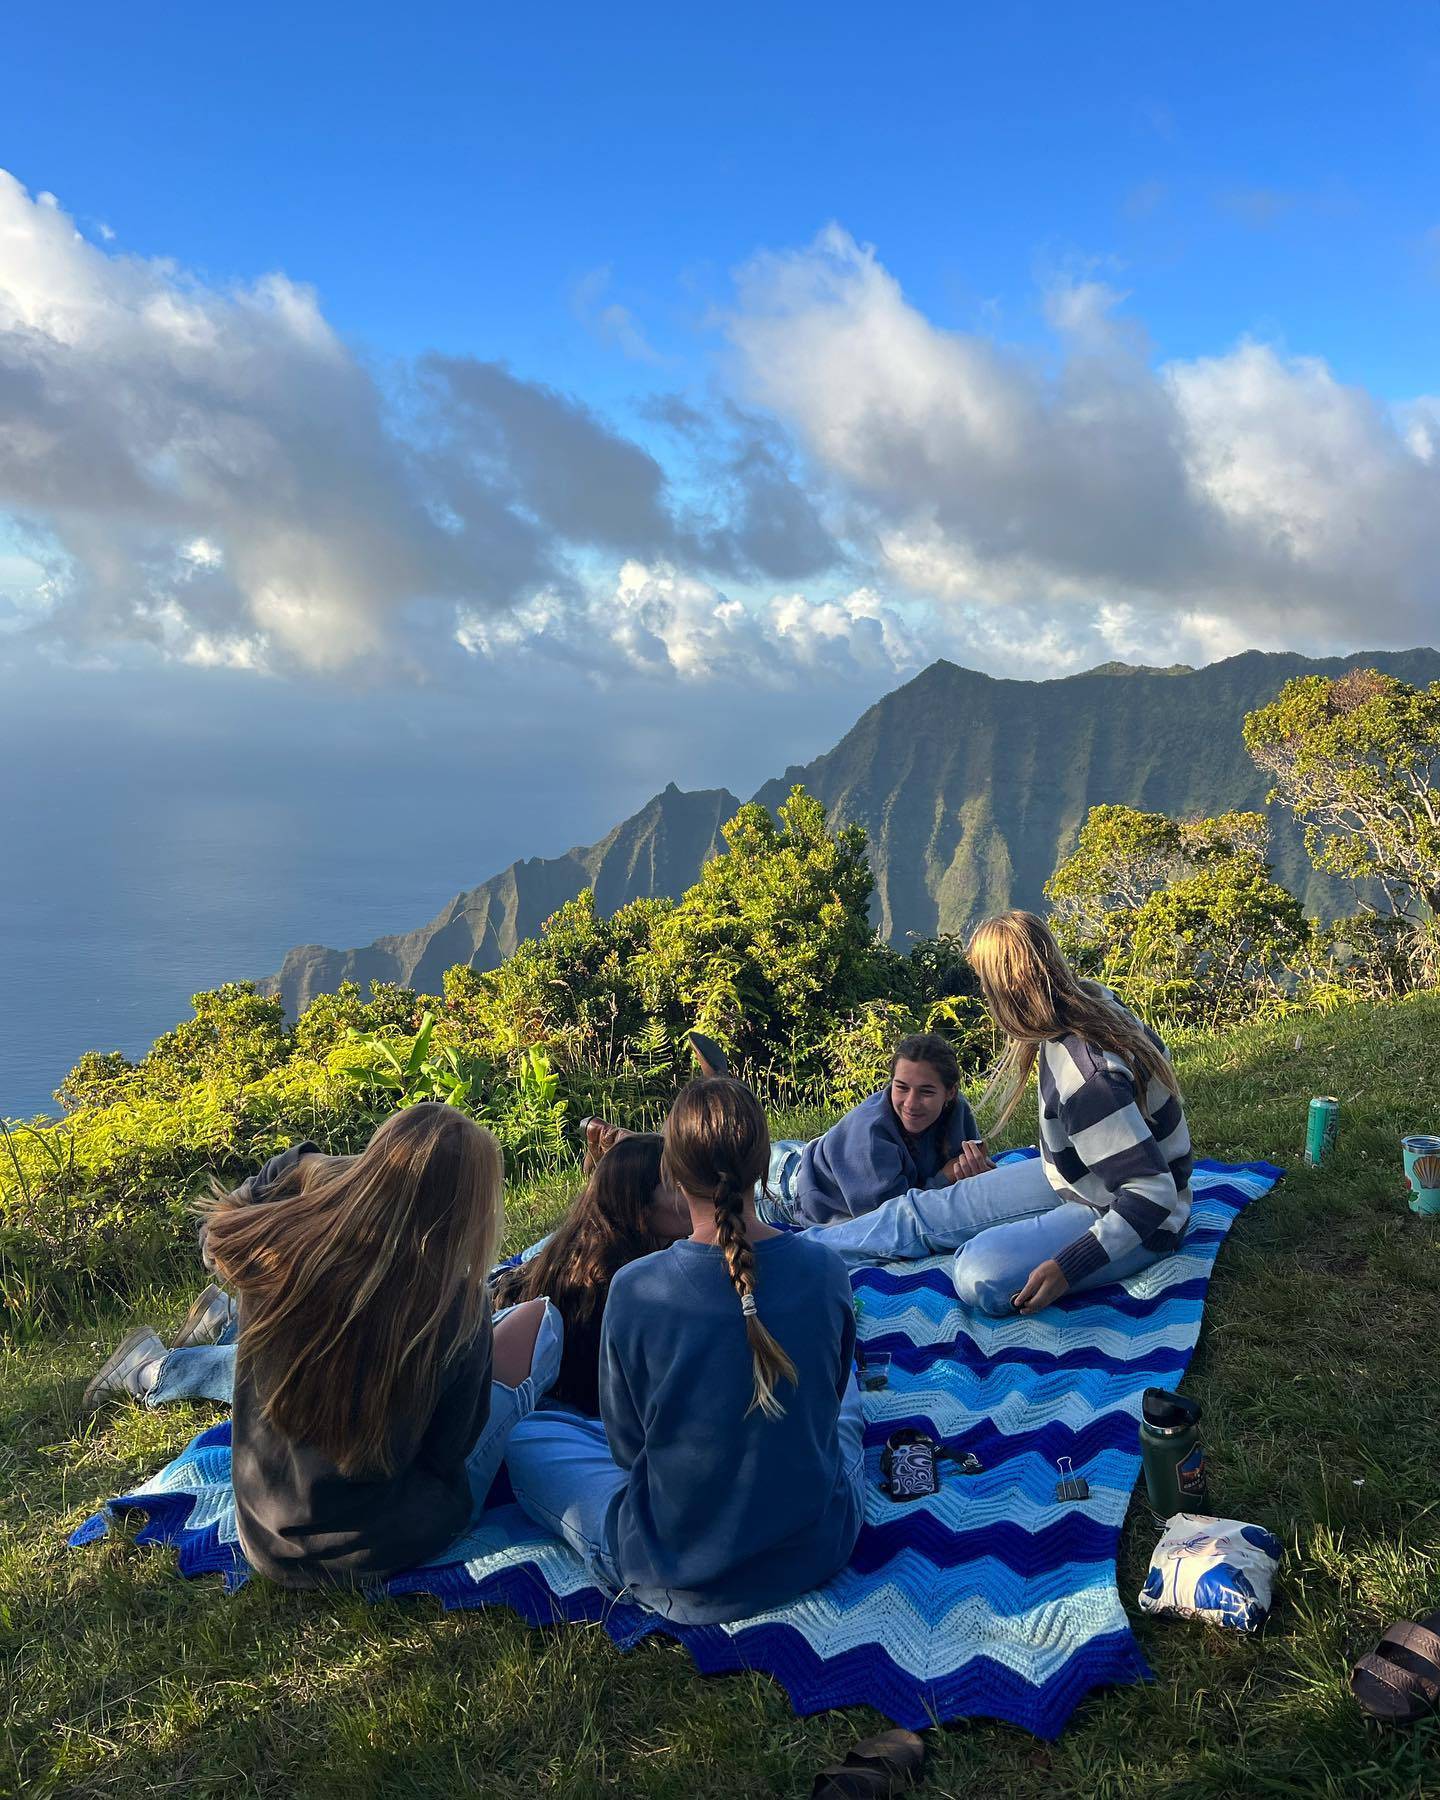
{"type": "Point", "coordinates": [726, 1512]}
{"type": "Point", "coordinates": [867, 1157]}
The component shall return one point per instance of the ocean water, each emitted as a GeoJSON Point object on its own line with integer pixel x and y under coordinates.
{"type": "Point", "coordinates": [158, 840]}
{"type": "Point", "coordinates": [164, 831]}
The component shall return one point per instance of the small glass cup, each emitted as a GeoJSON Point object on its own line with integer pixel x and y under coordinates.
{"type": "Point", "coordinates": [874, 1371]}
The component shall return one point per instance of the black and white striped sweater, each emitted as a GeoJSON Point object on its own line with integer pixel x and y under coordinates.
{"type": "Point", "coordinates": [1130, 1164]}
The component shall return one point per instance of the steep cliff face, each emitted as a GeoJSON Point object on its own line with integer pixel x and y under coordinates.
{"type": "Point", "coordinates": [657, 852]}
{"type": "Point", "coordinates": [971, 790]}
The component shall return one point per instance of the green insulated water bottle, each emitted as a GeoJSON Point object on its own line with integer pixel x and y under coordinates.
{"type": "Point", "coordinates": [1173, 1455]}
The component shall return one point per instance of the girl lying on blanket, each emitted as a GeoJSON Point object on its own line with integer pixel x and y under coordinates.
{"type": "Point", "coordinates": [1110, 1191]}
{"type": "Point", "coordinates": [916, 1132]}
{"type": "Point", "coordinates": [727, 1474]}
{"type": "Point", "coordinates": [624, 1211]}
{"type": "Point", "coordinates": [365, 1432]}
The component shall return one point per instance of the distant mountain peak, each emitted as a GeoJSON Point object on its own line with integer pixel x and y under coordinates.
{"type": "Point", "coordinates": [1124, 668]}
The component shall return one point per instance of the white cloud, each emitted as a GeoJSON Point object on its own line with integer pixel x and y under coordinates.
{"type": "Point", "coordinates": [610, 321]}
{"type": "Point", "coordinates": [212, 474]}
{"type": "Point", "coordinates": [215, 474]}
{"type": "Point", "coordinates": [1243, 497]}
{"type": "Point", "coordinates": [658, 621]}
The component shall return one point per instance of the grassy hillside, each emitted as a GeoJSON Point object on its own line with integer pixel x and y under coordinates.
{"type": "Point", "coordinates": [1317, 1367]}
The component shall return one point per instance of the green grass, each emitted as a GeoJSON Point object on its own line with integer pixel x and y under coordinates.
{"type": "Point", "coordinates": [1319, 1370]}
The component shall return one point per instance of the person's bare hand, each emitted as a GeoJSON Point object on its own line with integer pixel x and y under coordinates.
{"type": "Point", "coordinates": [1046, 1285]}
{"type": "Point", "coordinates": [971, 1159]}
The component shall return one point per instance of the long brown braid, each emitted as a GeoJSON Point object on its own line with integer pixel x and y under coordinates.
{"type": "Point", "coordinates": [717, 1148]}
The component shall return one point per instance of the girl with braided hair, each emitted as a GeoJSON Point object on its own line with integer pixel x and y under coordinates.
{"type": "Point", "coordinates": [725, 1474]}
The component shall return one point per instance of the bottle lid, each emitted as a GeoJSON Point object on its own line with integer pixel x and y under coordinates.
{"type": "Point", "coordinates": [1164, 1411]}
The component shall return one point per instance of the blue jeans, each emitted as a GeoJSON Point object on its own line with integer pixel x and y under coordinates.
{"type": "Point", "coordinates": [565, 1478]}
{"type": "Point", "coordinates": [198, 1372]}
{"type": "Point", "coordinates": [207, 1372]}
{"type": "Point", "coordinates": [509, 1406]}
{"type": "Point", "coordinates": [775, 1203]}
{"type": "Point", "coordinates": [1004, 1224]}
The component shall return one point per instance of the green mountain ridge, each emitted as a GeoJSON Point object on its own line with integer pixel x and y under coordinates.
{"type": "Point", "coordinates": [971, 788]}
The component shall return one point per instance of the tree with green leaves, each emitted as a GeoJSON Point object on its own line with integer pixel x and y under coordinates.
{"type": "Point", "coordinates": [328, 1018]}
{"type": "Point", "coordinates": [1180, 916]}
{"type": "Point", "coordinates": [583, 988]}
{"type": "Point", "coordinates": [1357, 760]}
{"type": "Point", "coordinates": [774, 941]}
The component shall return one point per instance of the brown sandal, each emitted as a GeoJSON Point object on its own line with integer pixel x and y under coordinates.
{"type": "Point", "coordinates": [878, 1766]}
{"type": "Point", "coordinates": [1399, 1680]}
{"type": "Point", "coordinates": [599, 1137]}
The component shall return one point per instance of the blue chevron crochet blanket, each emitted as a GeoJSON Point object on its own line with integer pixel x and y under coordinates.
{"type": "Point", "coordinates": [992, 1598]}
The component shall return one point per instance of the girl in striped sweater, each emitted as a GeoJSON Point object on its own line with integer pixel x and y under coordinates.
{"type": "Point", "coordinates": [1110, 1191]}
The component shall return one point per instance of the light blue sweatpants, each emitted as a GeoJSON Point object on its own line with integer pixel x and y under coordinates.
{"type": "Point", "coordinates": [565, 1478]}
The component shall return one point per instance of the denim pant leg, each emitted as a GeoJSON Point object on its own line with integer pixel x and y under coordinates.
{"type": "Point", "coordinates": [929, 1221]}
{"type": "Point", "coordinates": [777, 1205]}
{"type": "Point", "coordinates": [996, 1264]}
{"type": "Point", "coordinates": [509, 1405]}
{"type": "Point", "coordinates": [198, 1372]}
{"type": "Point", "coordinates": [565, 1478]}
{"type": "Point", "coordinates": [850, 1428]}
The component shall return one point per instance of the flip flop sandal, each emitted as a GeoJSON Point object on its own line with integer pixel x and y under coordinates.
{"type": "Point", "coordinates": [708, 1054]}
{"type": "Point", "coordinates": [1399, 1681]}
{"type": "Point", "coordinates": [879, 1766]}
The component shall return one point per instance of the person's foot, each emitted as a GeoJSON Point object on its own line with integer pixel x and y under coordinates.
{"type": "Point", "coordinates": [600, 1137]}
{"type": "Point", "coordinates": [130, 1369]}
{"type": "Point", "coordinates": [708, 1054]}
{"type": "Point", "coordinates": [206, 1319]}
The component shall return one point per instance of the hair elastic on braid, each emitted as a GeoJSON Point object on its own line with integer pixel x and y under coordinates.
{"type": "Point", "coordinates": [747, 1305]}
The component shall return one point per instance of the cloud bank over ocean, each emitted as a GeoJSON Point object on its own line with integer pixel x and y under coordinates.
{"type": "Point", "coordinates": [213, 475]}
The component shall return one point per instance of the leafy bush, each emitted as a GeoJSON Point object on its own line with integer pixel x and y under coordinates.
{"type": "Point", "coordinates": [1180, 917]}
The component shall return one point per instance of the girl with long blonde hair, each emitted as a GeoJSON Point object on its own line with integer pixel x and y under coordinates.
{"type": "Point", "coordinates": [725, 1473]}
{"type": "Point", "coordinates": [364, 1436]}
{"type": "Point", "coordinates": [1110, 1190]}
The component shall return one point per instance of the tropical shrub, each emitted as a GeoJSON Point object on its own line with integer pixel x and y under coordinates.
{"type": "Point", "coordinates": [1357, 760]}
{"type": "Point", "coordinates": [774, 941]}
{"type": "Point", "coordinates": [1181, 917]}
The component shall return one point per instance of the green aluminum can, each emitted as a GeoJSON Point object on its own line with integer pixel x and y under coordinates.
{"type": "Point", "coordinates": [1320, 1128]}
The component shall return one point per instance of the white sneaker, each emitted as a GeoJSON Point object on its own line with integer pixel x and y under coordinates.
{"type": "Point", "coordinates": [130, 1369]}
{"type": "Point", "coordinates": [206, 1319]}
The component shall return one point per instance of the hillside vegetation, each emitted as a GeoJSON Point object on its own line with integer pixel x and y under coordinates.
{"type": "Point", "coordinates": [773, 952]}
{"type": "Point", "coordinates": [1315, 1366]}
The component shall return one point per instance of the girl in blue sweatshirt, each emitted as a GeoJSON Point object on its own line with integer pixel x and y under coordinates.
{"type": "Point", "coordinates": [725, 1475]}
{"type": "Point", "coordinates": [916, 1132]}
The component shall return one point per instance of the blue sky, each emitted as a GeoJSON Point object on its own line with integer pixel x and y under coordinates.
{"type": "Point", "coordinates": [446, 176]}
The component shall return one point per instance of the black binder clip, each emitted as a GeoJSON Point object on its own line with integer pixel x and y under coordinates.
{"type": "Point", "coordinates": [1070, 1485]}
